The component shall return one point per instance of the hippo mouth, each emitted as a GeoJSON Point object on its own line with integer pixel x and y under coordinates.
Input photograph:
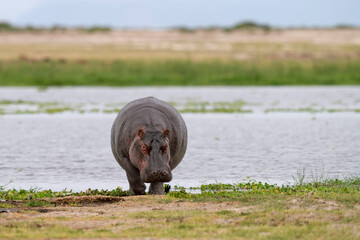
{"type": "Point", "coordinates": [149, 176]}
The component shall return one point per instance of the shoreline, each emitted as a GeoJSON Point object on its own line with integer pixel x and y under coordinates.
{"type": "Point", "coordinates": [309, 212]}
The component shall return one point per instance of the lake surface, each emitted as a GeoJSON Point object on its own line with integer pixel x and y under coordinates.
{"type": "Point", "coordinates": [73, 151]}
{"type": "Point", "coordinates": [255, 98]}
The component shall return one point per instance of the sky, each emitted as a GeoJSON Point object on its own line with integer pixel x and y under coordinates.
{"type": "Point", "coordinates": [174, 13]}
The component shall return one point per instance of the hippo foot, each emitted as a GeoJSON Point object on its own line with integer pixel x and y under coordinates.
{"type": "Point", "coordinates": [137, 191]}
{"type": "Point", "coordinates": [156, 188]}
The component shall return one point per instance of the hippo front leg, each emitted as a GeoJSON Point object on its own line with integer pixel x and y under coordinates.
{"type": "Point", "coordinates": [156, 188]}
{"type": "Point", "coordinates": [136, 185]}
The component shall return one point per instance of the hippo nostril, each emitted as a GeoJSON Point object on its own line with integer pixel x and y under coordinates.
{"type": "Point", "coordinates": [154, 172]}
{"type": "Point", "coordinates": [165, 173]}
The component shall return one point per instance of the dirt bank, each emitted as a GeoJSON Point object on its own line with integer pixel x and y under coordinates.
{"type": "Point", "coordinates": [154, 217]}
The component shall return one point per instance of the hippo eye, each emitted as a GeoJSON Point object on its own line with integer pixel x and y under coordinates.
{"type": "Point", "coordinates": [144, 148]}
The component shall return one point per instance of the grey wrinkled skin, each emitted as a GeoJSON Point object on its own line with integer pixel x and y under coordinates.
{"type": "Point", "coordinates": [148, 140]}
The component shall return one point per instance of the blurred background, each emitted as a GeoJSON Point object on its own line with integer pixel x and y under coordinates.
{"type": "Point", "coordinates": [162, 14]}
{"type": "Point", "coordinates": [277, 79]}
{"type": "Point", "coordinates": [180, 42]}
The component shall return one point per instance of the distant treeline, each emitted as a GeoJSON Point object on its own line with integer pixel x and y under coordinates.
{"type": "Point", "coordinates": [251, 26]}
{"type": "Point", "coordinates": [246, 25]}
{"type": "Point", "coordinates": [7, 27]}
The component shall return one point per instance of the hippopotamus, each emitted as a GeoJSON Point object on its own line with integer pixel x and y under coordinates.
{"type": "Point", "coordinates": [148, 140]}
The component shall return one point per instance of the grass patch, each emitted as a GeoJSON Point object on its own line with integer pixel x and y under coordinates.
{"type": "Point", "coordinates": [37, 203]}
{"type": "Point", "coordinates": [252, 190]}
{"type": "Point", "coordinates": [6, 205]}
{"type": "Point", "coordinates": [164, 215]}
{"type": "Point", "coordinates": [180, 72]}
{"type": "Point", "coordinates": [34, 194]}
{"type": "Point", "coordinates": [43, 230]}
{"type": "Point", "coordinates": [225, 224]}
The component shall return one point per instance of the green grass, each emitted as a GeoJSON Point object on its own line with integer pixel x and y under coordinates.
{"type": "Point", "coordinates": [36, 203]}
{"type": "Point", "coordinates": [228, 224]}
{"type": "Point", "coordinates": [199, 224]}
{"type": "Point", "coordinates": [42, 230]}
{"type": "Point", "coordinates": [180, 72]}
{"type": "Point", "coordinates": [33, 194]}
{"type": "Point", "coordinates": [252, 190]}
{"type": "Point", "coordinates": [211, 192]}
{"type": "Point", "coordinates": [6, 205]}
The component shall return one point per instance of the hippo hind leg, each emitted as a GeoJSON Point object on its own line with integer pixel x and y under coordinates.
{"type": "Point", "coordinates": [156, 188]}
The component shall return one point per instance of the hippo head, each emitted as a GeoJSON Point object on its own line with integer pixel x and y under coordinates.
{"type": "Point", "coordinates": [150, 153]}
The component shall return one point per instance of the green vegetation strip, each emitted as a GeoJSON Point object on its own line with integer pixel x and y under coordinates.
{"type": "Point", "coordinates": [209, 192]}
{"type": "Point", "coordinates": [179, 72]}
{"type": "Point", "coordinates": [253, 191]}
{"type": "Point", "coordinates": [34, 194]}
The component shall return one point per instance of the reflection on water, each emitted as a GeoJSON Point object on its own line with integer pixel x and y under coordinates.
{"type": "Point", "coordinates": [73, 150]}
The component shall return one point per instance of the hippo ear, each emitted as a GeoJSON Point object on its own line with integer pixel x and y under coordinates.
{"type": "Point", "coordinates": [166, 132]}
{"type": "Point", "coordinates": [140, 133]}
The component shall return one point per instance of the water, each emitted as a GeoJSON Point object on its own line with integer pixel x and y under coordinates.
{"type": "Point", "coordinates": [73, 150]}
{"type": "Point", "coordinates": [255, 98]}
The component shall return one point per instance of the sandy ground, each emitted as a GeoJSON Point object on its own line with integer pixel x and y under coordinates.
{"type": "Point", "coordinates": [107, 207]}
{"type": "Point", "coordinates": [350, 36]}
{"type": "Point", "coordinates": [152, 217]}
{"type": "Point", "coordinates": [89, 212]}
{"type": "Point", "coordinates": [238, 45]}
